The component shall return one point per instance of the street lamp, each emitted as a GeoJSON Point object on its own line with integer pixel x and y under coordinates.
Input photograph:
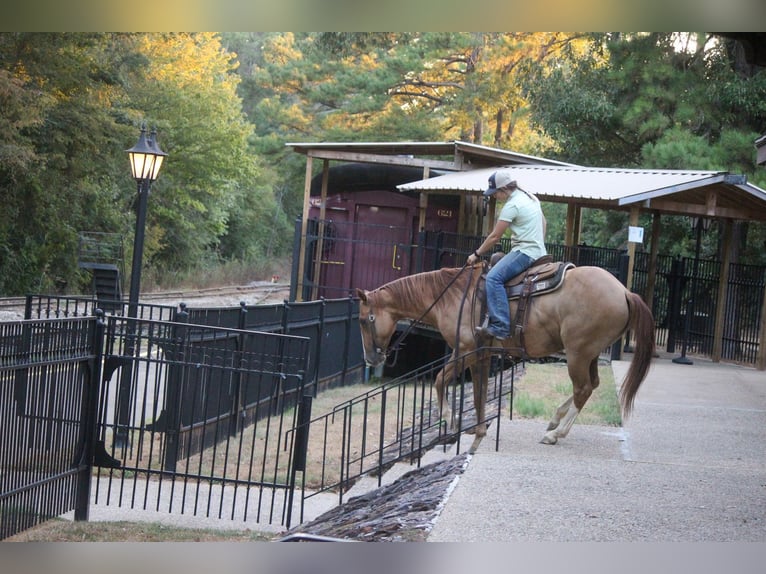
{"type": "Point", "coordinates": [145, 162]}
{"type": "Point", "coordinates": [146, 159]}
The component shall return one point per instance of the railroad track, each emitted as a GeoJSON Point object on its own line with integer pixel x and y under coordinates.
{"type": "Point", "coordinates": [252, 294]}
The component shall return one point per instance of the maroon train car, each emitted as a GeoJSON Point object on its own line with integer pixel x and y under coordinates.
{"type": "Point", "coordinates": [370, 231]}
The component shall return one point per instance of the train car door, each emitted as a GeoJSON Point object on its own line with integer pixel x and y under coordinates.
{"type": "Point", "coordinates": [382, 245]}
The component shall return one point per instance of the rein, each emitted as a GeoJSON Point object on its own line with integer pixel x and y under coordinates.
{"type": "Point", "coordinates": [397, 343]}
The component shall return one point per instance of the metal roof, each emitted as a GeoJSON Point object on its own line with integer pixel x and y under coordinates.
{"type": "Point", "coordinates": [707, 193]}
{"type": "Point", "coordinates": [462, 155]}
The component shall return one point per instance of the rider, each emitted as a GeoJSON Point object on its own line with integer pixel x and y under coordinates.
{"type": "Point", "coordinates": [524, 216]}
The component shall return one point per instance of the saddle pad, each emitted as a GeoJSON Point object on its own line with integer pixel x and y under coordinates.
{"type": "Point", "coordinates": [545, 278]}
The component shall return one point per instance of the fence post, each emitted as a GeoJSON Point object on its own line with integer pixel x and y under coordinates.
{"type": "Point", "coordinates": [421, 251]}
{"type": "Point", "coordinates": [89, 418]}
{"type": "Point", "coordinates": [173, 392]}
{"type": "Point", "coordinates": [347, 342]}
{"type": "Point", "coordinates": [237, 400]}
{"type": "Point", "coordinates": [318, 343]}
{"type": "Point", "coordinates": [300, 448]}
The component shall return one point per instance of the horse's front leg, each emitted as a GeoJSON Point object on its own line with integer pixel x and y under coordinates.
{"type": "Point", "coordinates": [480, 377]}
{"type": "Point", "coordinates": [445, 412]}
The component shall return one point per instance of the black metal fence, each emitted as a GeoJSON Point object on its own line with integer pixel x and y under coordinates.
{"type": "Point", "coordinates": [49, 372]}
{"type": "Point", "coordinates": [680, 287]}
{"type": "Point", "coordinates": [210, 419]}
{"type": "Point", "coordinates": [197, 409]}
{"type": "Point", "coordinates": [398, 421]}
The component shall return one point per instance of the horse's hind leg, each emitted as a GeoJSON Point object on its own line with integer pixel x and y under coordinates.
{"type": "Point", "coordinates": [584, 379]}
{"type": "Point", "coordinates": [559, 414]}
{"type": "Point", "coordinates": [564, 407]}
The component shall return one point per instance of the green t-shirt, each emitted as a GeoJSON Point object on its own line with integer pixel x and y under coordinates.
{"type": "Point", "coordinates": [525, 216]}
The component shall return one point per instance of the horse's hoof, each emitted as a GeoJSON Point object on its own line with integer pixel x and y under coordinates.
{"type": "Point", "coordinates": [475, 445]}
{"type": "Point", "coordinates": [549, 438]}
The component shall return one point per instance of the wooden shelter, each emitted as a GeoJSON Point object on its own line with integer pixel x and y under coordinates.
{"type": "Point", "coordinates": [715, 195]}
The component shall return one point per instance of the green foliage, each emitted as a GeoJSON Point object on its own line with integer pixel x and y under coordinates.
{"type": "Point", "coordinates": [225, 105]}
{"type": "Point", "coordinates": [72, 104]}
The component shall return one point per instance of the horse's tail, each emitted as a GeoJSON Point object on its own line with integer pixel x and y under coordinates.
{"type": "Point", "coordinates": [642, 324]}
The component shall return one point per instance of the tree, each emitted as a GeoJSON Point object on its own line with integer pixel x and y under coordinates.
{"type": "Point", "coordinates": [57, 92]}
{"type": "Point", "coordinates": [659, 100]}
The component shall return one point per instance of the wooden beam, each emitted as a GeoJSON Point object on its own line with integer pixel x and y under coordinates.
{"type": "Point", "coordinates": [320, 231]}
{"type": "Point", "coordinates": [697, 210]}
{"type": "Point", "coordinates": [383, 159]}
{"type": "Point", "coordinates": [423, 202]}
{"type": "Point", "coordinates": [572, 233]}
{"type": "Point", "coordinates": [304, 227]}
{"type": "Point", "coordinates": [634, 212]}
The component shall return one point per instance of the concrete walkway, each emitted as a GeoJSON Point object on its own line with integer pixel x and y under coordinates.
{"type": "Point", "coordinates": [689, 465]}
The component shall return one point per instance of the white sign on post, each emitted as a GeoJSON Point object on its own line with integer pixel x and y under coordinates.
{"type": "Point", "coordinates": [636, 234]}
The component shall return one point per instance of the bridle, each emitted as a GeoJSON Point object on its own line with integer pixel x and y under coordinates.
{"type": "Point", "coordinates": [373, 331]}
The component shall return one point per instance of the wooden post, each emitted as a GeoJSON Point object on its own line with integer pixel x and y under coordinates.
{"type": "Point", "coordinates": [760, 361]}
{"type": "Point", "coordinates": [634, 211]}
{"type": "Point", "coordinates": [723, 291]}
{"type": "Point", "coordinates": [423, 203]}
{"type": "Point", "coordinates": [304, 227]}
{"type": "Point", "coordinates": [320, 231]}
{"type": "Point", "coordinates": [652, 271]}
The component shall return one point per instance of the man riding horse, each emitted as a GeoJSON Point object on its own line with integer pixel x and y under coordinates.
{"type": "Point", "coordinates": [523, 215]}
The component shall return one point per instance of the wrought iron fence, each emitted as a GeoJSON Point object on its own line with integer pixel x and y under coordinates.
{"type": "Point", "coordinates": [676, 289]}
{"type": "Point", "coordinates": [398, 420]}
{"type": "Point", "coordinates": [208, 419]}
{"type": "Point", "coordinates": [48, 387]}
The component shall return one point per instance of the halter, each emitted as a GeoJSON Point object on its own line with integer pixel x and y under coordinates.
{"type": "Point", "coordinates": [373, 332]}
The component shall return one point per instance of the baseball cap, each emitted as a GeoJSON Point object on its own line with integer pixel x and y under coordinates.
{"type": "Point", "coordinates": [499, 180]}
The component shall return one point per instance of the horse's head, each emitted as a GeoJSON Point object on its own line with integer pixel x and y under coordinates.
{"type": "Point", "coordinates": [377, 326]}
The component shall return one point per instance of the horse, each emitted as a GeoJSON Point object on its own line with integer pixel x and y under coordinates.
{"type": "Point", "coordinates": [584, 316]}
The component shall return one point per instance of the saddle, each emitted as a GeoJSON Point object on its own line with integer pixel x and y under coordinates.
{"type": "Point", "coordinates": [544, 276]}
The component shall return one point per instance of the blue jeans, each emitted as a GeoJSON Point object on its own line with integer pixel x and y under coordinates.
{"type": "Point", "coordinates": [497, 300]}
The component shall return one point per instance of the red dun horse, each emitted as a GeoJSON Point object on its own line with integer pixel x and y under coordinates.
{"type": "Point", "coordinates": [590, 311]}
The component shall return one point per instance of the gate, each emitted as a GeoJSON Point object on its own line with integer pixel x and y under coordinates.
{"type": "Point", "coordinates": [49, 373]}
{"type": "Point", "coordinates": [211, 419]}
{"type": "Point", "coordinates": [212, 426]}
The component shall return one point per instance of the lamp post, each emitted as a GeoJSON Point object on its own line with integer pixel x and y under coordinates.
{"type": "Point", "coordinates": [146, 159]}
{"type": "Point", "coordinates": [145, 162]}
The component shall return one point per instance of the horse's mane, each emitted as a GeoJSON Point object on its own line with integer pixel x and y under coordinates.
{"type": "Point", "coordinates": [426, 287]}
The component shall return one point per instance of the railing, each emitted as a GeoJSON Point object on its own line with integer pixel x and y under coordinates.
{"type": "Point", "coordinates": [397, 421]}
{"type": "Point", "coordinates": [48, 389]}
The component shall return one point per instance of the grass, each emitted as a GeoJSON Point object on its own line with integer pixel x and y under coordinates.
{"type": "Point", "coordinates": [60, 530]}
{"type": "Point", "coordinates": [544, 386]}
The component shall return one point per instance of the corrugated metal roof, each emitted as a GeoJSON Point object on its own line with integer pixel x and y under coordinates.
{"type": "Point", "coordinates": [614, 187]}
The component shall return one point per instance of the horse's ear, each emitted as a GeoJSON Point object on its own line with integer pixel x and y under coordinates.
{"type": "Point", "coordinates": [362, 295]}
